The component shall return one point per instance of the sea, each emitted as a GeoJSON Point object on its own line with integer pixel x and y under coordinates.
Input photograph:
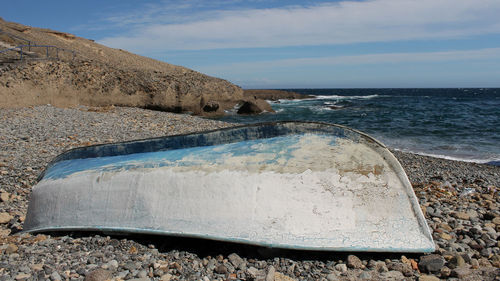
{"type": "Point", "coordinates": [457, 123]}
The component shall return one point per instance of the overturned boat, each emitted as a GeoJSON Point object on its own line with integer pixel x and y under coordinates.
{"type": "Point", "coordinates": [296, 185]}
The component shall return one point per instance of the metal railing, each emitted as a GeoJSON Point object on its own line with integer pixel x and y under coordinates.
{"type": "Point", "coordinates": [29, 43]}
{"type": "Point", "coordinates": [21, 49]}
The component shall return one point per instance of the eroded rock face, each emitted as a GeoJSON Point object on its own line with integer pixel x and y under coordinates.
{"type": "Point", "coordinates": [255, 106]}
{"type": "Point", "coordinates": [92, 83]}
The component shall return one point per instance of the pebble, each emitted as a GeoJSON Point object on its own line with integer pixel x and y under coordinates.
{"type": "Point", "coordinates": [235, 260]}
{"type": "Point", "coordinates": [365, 275]}
{"type": "Point", "coordinates": [5, 217]}
{"type": "Point", "coordinates": [332, 277]}
{"type": "Point", "coordinates": [461, 215]}
{"type": "Point", "coordinates": [427, 278]}
{"type": "Point", "coordinates": [11, 248]}
{"type": "Point", "coordinates": [496, 220]}
{"type": "Point", "coordinates": [221, 269]}
{"type": "Point", "coordinates": [254, 272]}
{"type": "Point", "coordinates": [4, 197]}
{"type": "Point", "coordinates": [445, 272]}
{"type": "Point", "coordinates": [393, 275]}
{"type": "Point", "coordinates": [270, 273]}
{"type": "Point", "coordinates": [461, 272]}
{"type": "Point", "coordinates": [55, 276]}
{"type": "Point", "coordinates": [282, 277]}
{"type": "Point", "coordinates": [113, 264]}
{"type": "Point", "coordinates": [22, 276]}
{"type": "Point", "coordinates": [168, 277]}
{"type": "Point", "coordinates": [431, 263]}
{"type": "Point", "coordinates": [341, 267]}
{"type": "Point", "coordinates": [98, 275]}
{"type": "Point", "coordinates": [354, 262]}
{"type": "Point", "coordinates": [142, 274]}
{"type": "Point", "coordinates": [456, 261]}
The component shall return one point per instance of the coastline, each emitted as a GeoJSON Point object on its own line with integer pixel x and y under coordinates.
{"type": "Point", "coordinates": [31, 137]}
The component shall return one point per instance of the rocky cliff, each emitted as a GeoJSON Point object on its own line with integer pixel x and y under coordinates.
{"type": "Point", "coordinates": [98, 75]}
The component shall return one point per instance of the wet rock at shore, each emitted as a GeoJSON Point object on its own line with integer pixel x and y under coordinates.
{"type": "Point", "coordinates": [254, 107]}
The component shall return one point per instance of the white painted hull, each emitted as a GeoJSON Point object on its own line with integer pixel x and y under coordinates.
{"type": "Point", "coordinates": [304, 186]}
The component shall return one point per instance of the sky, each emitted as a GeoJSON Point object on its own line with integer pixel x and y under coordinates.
{"type": "Point", "coordinates": [295, 44]}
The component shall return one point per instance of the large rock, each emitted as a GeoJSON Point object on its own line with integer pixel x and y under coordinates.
{"type": "Point", "coordinates": [254, 107]}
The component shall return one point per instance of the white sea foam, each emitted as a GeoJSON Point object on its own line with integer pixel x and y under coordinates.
{"type": "Point", "coordinates": [450, 157]}
{"type": "Point", "coordinates": [336, 97]}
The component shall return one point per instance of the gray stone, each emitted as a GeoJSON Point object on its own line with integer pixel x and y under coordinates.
{"type": "Point", "coordinates": [99, 275]}
{"type": "Point", "coordinates": [393, 275]}
{"type": "Point", "coordinates": [486, 252]}
{"type": "Point", "coordinates": [445, 272]}
{"type": "Point", "coordinates": [354, 262]}
{"type": "Point", "coordinates": [10, 249]}
{"type": "Point", "coordinates": [341, 267]}
{"type": "Point", "coordinates": [211, 265]}
{"type": "Point", "coordinates": [221, 269]}
{"type": "Point", "coordinates": [270, 273]}
{"type": "Point", "coordinates": [131, 266]}
{"type": "Point", "coordinates": [427, 278]}
{"type": "Point", "coordinates": [168, 277]}
{"type": "Point", "coordinates": [235, 260]}
{"type": "Point", "coordinates": [456, 261]}
{"type": "Point", "coordinates": [4, 197]}
{"type": "Point", "coordinates": [5, 217]}
{"type": "Point", "coordinates": [142, 274]}
{"type": "Point", "coordinates": [365, 275]}
{"type": "Point", "coordinates": [22, 276]}
{"type": "Point", "coordinates": [461, 272]}
{"type": "Point", "coordinates": [254, 272]}
{"type": "Point", "coordinates": [55, 276]}
{"type": "Point", "coordinates": [121, 275]}
{"type": "Point", "coordinates": [401, 267]}
{"type": "Point", "coordinates": [380, 266]}
{"type": "Point", "coordinates": [331, 277]}
{"type": "Point", "coordinates": [113, 264]}
{"type": "Point", "coordinates": [431, 263]}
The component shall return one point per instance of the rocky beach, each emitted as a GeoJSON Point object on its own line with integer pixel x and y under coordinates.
{"type": "Point", "coordinates": [459, 199]}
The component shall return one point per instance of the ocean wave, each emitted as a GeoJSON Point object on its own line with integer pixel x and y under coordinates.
{"type": "Point", "coordinates": [337, 97]}
{"type": "Point", "coordinates": [453, 158]}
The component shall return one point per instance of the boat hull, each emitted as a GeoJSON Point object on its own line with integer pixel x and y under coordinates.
{"type": "Point", "coordinates": [294, 185]}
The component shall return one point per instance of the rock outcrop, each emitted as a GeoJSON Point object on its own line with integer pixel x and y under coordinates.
{"type": "Point", "coordinates": [254, 106]}
{"type": "Point", "coordinates": [100, 76]}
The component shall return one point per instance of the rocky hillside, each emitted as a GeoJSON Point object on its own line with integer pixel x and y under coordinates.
{"type": "Point", "coordinates": [98, 75]}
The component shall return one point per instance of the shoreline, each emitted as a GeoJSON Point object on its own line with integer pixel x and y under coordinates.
{"type": "Point", "coordinates": [459, 199]}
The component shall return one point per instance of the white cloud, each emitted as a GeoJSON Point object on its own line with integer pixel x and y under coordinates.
{"type": "Point", "coordinates": [367, 59]}
{"type": "Point", "coordinates": [333, 23]}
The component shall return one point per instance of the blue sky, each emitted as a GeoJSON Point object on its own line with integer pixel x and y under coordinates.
{"type": "Point", "coordinates": [295, 44]}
